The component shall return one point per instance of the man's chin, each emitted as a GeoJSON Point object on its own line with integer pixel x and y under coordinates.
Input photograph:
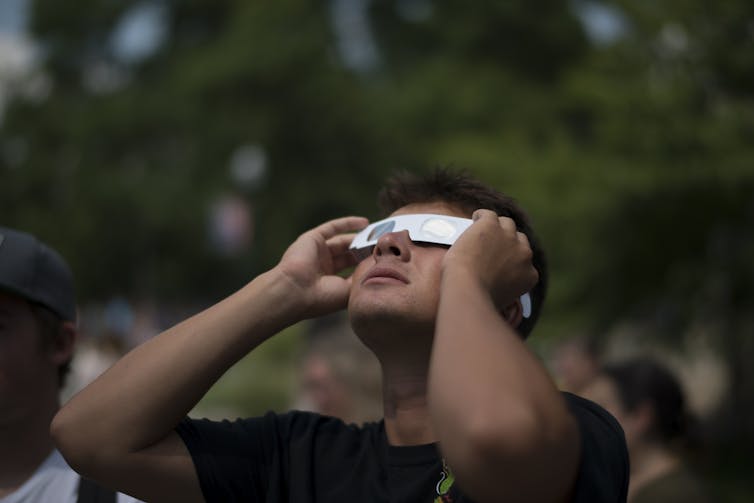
{"type": "Point", "coordinates": [391, 321]}
{"type": "Point", "coordinates": [375, 319]}
{"type": "Point", "coordinates": [393, 334]}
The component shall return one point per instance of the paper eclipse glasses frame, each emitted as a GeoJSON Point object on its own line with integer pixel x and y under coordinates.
{"type": "Point", "coordinates": [423, 228]}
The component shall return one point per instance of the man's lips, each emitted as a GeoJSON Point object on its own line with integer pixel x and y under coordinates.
{"type": "Point", "coordinates": [384, 273]}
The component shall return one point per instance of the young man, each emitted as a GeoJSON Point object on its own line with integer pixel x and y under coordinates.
{"type": "Point", "coordinates": [37, 336]}
{"type": "Point", "coordinates": [470, 414]}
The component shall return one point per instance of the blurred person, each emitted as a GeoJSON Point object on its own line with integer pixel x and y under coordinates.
{"type": "Point", "coordinates": [649, 403]}
{"type": "Point", "coordinates": [575, 362]}
{"type": "Point", "coordinates": [37, 338]}
{"type": "Point", "coordinates": [443, 292]}
{"type": "Point", "coordinates": [338, 375]}
{"type": "Point", "coordinates": [93, 356]}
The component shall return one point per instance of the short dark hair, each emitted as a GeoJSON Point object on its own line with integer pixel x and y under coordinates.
{"type": "Point", "coordinates": [459, 188]}
{"type": "Point", "coordinates": [642, 380]}
{"type": "Point", "coordinates": [48, 328]}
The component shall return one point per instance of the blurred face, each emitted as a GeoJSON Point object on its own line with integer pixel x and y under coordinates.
{"type": "Point", "coordinates": [398, 285]}
{"type": "Point", "coordinates": [574, 367]}
{"type": "Point", "coordinates": [28, 369]}
{"type": "Point", "coordinates": [323, 390]}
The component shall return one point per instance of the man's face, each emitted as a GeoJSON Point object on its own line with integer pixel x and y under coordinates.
{"type": "Point", "coordinates": [322, 389]}
{"type": "Point", "coordinates": [27, 371]}
{"type": "Point", "coordinates": [398, 285]}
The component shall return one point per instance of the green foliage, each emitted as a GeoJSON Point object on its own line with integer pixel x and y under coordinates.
{"type": "Point", "coordinates": [677, 239]}
{"type": "Point", "coordinates": [122, 179]}
{"type": "Point", "coordinates": [262, 381]}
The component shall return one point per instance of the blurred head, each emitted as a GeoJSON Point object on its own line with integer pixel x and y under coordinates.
{"type": "Point", "coordinates": [339, 376]}
{"type": "Point", "coordinates": [575, 362]}
{"type": "Point", "coordinates": [644, 397]}
{"type": "Point", "coordinates": [37, 300]}
{"type": "Point", "coordinates": [466, 194]}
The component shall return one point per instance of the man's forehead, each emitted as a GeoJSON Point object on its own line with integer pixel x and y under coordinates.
{"type": "Point", "coordinates": [436, 207]}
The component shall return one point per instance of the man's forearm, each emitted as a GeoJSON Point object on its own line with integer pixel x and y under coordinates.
{"type": "Point", "coordinates": [492, 402]}
{"type": "Point", "coordinates": [143, 396]}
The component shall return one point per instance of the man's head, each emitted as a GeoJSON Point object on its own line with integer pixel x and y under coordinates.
{"type": "Point", "coordinates": [36, 284]}
{"type": "Point", "coordinates": [467, 194]}
{"type": "Point", "coordinates": [646, 399]}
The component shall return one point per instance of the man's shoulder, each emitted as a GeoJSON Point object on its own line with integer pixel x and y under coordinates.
{"type": "Point", "coordinates": [583, 408]}
{"type": "Point", "coordinates": [298, 422]}
{"type": "Point", "coordinates": [52, 479]}
{"type": "Point", "coordinates": [597, 426]}
{"type": "Point", "coordinates": [579, 404]}
{"type": "Point", "coordinates": [276, 455]}
{"type": "Point", "coordinates": [55, 480]}
{"type": "Point", "coordinates": [603, 469]}
{"type": "Point", "coordinates": [291, 424]}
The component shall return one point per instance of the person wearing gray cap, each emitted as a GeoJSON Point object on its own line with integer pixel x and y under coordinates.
{"type": "Point", "coordinates": [37, 340]}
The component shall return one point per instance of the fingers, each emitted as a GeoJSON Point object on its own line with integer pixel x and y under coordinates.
{"type": "Point", "coordinates": [491, 218]}
{"type": "Point", "coordinates": [341, 242]}
{"type": "Point", "coordinates": [338, 236]}
{"type": "Point", "coordinates": [505, 254]}
{"type": "Point", "coordinates": [341, 225]}
{"type": "Point", "coordinates": [483, 214]}
{"type": "Point", "coordinates": [505, 223]}
{"type": "Point", "coordinates": [341, 256]}
{"type": "Point", "coordinates": [523, 239]}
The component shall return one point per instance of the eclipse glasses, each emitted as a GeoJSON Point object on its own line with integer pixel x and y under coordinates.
{"type": "Point", "coordinates": [422, 228]}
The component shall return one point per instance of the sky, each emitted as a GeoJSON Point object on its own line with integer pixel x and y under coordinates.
{"type": "Point", "coordinates": [13, 16]}
{"type": "Point", "coordinates": [140, 31]}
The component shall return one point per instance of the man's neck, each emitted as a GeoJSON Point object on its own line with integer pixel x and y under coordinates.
{"type": "Point", "coordinates": [407, 420]}
{"type": "Point", "coordinates": [24, 445]}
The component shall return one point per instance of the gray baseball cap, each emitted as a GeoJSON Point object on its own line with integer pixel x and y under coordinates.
{"type": "Point", "coordinates": [36, 272]}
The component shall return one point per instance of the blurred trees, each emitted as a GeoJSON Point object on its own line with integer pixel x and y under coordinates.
{"type": "Point", "coordinates": [631, 146]}
{"type": "Point", "coordinates": [124, 158]}
{"type": "Point", "coordinates": [515, 91]}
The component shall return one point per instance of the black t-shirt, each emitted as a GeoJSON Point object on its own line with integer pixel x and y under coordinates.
{"type": "Point", "coordinates": [304, 457]}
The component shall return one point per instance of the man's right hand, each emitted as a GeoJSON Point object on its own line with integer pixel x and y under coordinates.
{"type": "Point", "coordinates": [313, 261]}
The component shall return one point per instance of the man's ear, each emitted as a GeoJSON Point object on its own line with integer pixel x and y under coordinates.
{"type": "Point", "coordinates": [513, 313]}
{"type": "Point", "coordinates": [62, 348]}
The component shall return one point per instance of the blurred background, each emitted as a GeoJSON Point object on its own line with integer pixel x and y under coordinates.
{"type": "Point", "coordinates": [172, 149]}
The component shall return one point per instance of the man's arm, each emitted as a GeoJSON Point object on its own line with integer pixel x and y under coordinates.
{"type": "Point", "coordinates": [503, 427]}
{"type": "Point", "coordinates": [120, 429]}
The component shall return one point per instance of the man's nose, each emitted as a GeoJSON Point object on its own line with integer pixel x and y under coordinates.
{"type": "Point", "coordinates": [393, 244]}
